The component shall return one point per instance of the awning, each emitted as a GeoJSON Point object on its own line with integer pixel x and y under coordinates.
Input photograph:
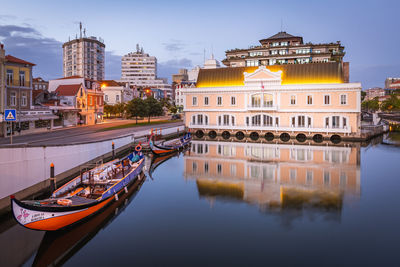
{"type": "Point", "coordinates": [36, 117]}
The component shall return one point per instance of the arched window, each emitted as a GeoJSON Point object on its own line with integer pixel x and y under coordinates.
{"type": "Point", "coordinates": [268, 100]}
{"type": "Point", "coordinates": [336, 122]}
{"type": "Point", "coordinates": [256, 120]}
{"type": "Point", "coordinates": [256, 100]}
{"type": "Point", "coordinates": [226, 120]}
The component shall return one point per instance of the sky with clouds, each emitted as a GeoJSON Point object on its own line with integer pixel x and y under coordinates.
{"type": "Point", "coordinates": [178, 32]}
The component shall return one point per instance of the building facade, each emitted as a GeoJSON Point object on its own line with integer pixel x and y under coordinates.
{"type": "Point", "coordinates": [374, 92]}
{"type": "Point", "coordinates": [17, 94]}
{"type": "Point", "coordinates": [140, 69]}
{"type": "Point", "coordinates": [116, 92]}
{"type": "Point", "coordinates": [85, 57]}
{"type": "Point", "coordinates": [2, 80]}
{"type": "Point", "coordinates": [40, 84]}
{"type": "Point", "coordinates": [305, 99]}
{"type": "Point", "coordinates": [90, 100]}
{"type": "Point", "coordinates": [284, 48]}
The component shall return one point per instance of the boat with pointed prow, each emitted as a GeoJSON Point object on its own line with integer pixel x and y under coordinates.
{"type": "Point", "coordinates": [170, 146]}
{"type": "Point", "coordinates": [81, 197]}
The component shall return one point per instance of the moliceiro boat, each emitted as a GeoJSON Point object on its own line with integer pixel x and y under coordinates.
{"type": "Point", "coordinates": [171, 146]}
{"type": "Point", "coordinates": [81, 197]}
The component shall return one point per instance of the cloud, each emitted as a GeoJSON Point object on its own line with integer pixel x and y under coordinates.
{"type": "Point", "coordinates": [169, 67]}
{"type": "Point", "coordinates": [174, 46]}
{"type": "Point", "coordinates": [27, 43]}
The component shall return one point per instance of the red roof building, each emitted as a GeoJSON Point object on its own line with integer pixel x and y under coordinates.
{"type": "Point", "coordinates": [68, 89]}
{"type": "Point", "coordinates": [12, 59]}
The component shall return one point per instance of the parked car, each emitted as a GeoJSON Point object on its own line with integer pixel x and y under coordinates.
{"type": "Point", "coordinates": [176, 117]}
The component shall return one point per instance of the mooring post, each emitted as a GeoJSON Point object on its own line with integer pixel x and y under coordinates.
{"type": "Point", "coordinates": [113, 150]}
{"type": "Point", "coordinates": [53, 185]}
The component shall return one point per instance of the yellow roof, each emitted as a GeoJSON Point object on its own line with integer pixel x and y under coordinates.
{"type": "Point", "coordinates": [313, 73]}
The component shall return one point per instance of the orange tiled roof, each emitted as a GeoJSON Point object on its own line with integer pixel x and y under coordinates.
{"type": "Point", "coordinates": [12, 59]}
{"type": "Point", "coordinates": [68, 89]}
{"type": "Point", "coordinates": [70, 77]}
{"type": "Point", "coordinates": [111, 83]}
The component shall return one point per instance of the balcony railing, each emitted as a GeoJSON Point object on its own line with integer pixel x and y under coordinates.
{"type": "Point", "coordinates": [346, 129]}
{"type": "Point", "coordinates": [16, 83]}
{"type": "Point", "coordinates": [262, 107]}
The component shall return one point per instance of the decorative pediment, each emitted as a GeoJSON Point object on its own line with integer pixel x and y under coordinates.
{"type": "Point", "coordinates": [262, 76]}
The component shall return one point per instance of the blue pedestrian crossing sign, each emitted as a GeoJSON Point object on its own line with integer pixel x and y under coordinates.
{"type": "Point", "coordinates": [10, 115]}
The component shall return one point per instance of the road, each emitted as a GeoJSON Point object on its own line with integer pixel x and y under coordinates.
{"type": "Point", "coordinates": [80, 134]}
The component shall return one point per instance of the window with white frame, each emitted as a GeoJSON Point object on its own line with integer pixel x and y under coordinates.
{"type": "Point", "coordinates": [194, 101]}
{"type": "Point", "coordinates": [292, 100]}
{"type": "Point", "coordinates": [13, 98]}
{"type": "Point", "coordinates": [219, 100]}
{"type": "Point", "coordinates": [268, 100]}
{"type": "Point", "coordinates": [256, 120]}
{"type": "Point", "coordinates": [335, 121]}
{"type": "Point", "coordinates": [219, 168]}
{"type": "Point", "coordinates": [206, 167]}
{"type": "Point", "coordinates": [301, 121]}
{"type": "Point", "coordinates": [10, 77]}
{"type": "Point", "coordinates": [22, 78]}
{"type": "Point", "coordinates": [267, 120]}
{"type": "Point", "coordinates": [233, 101]}
{"type": "Point", "coordinates": [309, 177]}
{"type": "Point", "coordinates": [343, 99]}
{"type": "Point", "coordinates": [24, 99]}
{"type": "Point", "coordinates": [256, 100]}
{"type": "Point", "coordinates": [309, 100]}
{"type": "Point", "coordinates": [327, 99]}
{"type": "Point", "coordinates": [206, 101]}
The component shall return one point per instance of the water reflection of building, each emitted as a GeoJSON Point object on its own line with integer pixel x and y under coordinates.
{"type": "Point", "coordinates": [275, 175]}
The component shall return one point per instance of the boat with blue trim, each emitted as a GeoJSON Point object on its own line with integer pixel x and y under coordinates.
{"type": "Point", "coordinates": [81, 197]}
{"type": "Point", "coordinates": [170, 146]}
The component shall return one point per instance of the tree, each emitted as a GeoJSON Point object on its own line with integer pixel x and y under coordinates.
{"type": "Point", "coordinates": [363, 95]}
{"type": "Point", "coordinates": [136, 108]}
{"type": "Point", "coordinates": [108, 110]}
{"type": "Point", "coordinates": [119, 109]}
{"type": "Point", "coordinates": [372, 104]}
{"type": "Point", "coordinates": [152, 107]}
{"type": "Point", "coordinates": [173, 109]}
{"type": "Point", "coordinates": [391, 104]}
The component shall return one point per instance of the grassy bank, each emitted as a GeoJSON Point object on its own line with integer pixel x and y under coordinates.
{"type": "Point", "coordinates": [130, 125]}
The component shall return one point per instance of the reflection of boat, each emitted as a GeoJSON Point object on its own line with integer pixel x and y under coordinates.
{"type": "Point", "coordinates": [170, 146]}
{"type": "Point", "coordinates": [81, 197]}
{"type": "Point", "coordinates": [157, 161]}
{"type": "Point", "coordinates": [57, 247]}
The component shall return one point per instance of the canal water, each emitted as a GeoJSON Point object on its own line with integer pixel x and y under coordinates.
{"type": "Point", "coordinates": [239, 204]}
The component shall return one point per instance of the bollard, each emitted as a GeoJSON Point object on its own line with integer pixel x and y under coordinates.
{"type": "Point", "coordinates": [53, 185]}
{"type": "Point", "coordinates": [113, 150]}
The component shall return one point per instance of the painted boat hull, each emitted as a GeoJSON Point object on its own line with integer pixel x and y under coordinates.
{"type": "Point", "coordinates": [56, 218]}
{"type": "Point", "coordinates": [164, 150]}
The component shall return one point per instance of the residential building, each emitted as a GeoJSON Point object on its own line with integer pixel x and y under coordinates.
{"type": "Point", "coordinates": [284, 48]}
{"type": "Point", "coordinates": [2, 80]}
{"type": "Point", "coordinates": [140, 69]}
{"type": "Point", "coordinates": [179, 97]}
{"type": "Point", "coordinates": [181, 76]}
{"type": "Point", "coordinates": [17, 95]}
{"type": "Point", "coordinates": [193, 73]}
{"type": "Point", "coordinates": [389, 81]}
{"type": "Point", "coordinates": [374, 92]}
{"type": "Point", "coordinates": [40, 84]}
{"type": "Point", "coordinates": [307, 99]}
{"type": "Point", "coordinates": [211, 63]}
{"type": "Point", "coordinates": [116, 92]}
{"type": "Point", "coordinates": [90, 102]}
{"type": "Point", "coordinates": [85, 57]}
{"type": "Point", "coordinates": [275, 176]}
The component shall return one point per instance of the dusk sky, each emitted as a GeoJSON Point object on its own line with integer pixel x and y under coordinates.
{"type": "Point", "coordinates": [177, 32]}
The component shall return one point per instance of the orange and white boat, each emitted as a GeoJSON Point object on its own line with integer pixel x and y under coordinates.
{"type": "Point", "coordinates": [81, 197]}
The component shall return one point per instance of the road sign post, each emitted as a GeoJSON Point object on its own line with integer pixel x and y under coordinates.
{"type": "Point", "coordinates": [10, 115]}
